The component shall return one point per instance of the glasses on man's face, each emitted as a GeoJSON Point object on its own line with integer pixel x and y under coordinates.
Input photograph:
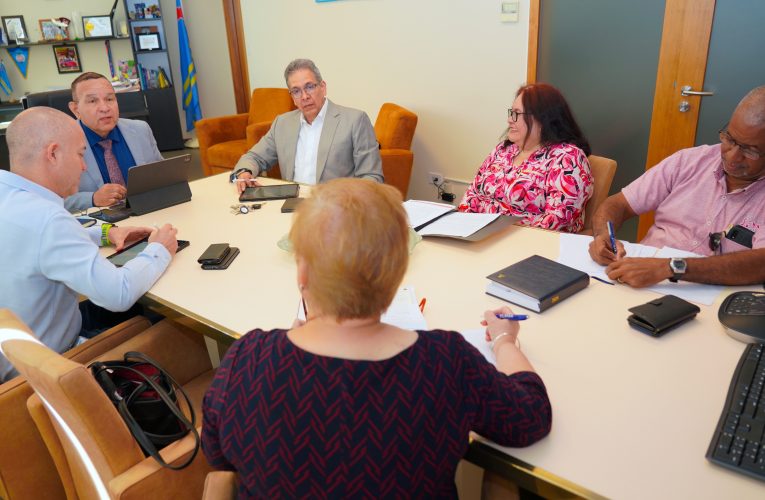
{"type": "Point", "coordinates": [513, 114]}
{"type": "Point", "coordinates": [715, 241]}
{"type": "Point", "coordinates": [750, 152]}
{"type": "Point", "coordinates": [309, 88]}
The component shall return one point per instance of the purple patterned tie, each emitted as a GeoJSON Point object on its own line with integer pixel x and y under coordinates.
{"type": "Point", "coordinates": [115, 174]}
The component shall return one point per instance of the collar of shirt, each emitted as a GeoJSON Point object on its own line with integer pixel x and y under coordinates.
{"type": "Point", "coordinates": [18, 182]}
{"type": "Point", "coordinates": [719, 174]}
{"type": "Point", "coordinates": [93, 138]}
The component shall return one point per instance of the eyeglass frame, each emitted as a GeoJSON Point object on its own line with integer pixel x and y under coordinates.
{"type": "Point", "coordinates": [715, 241]}
{"type": "Point", "coordinates": [512, 114]}
{"type": "Point", "coordinates": [296, 92]}
{"type": "Point", "coordinates": [745, 149]}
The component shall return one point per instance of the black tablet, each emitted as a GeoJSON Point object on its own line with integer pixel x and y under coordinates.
{"type": "Point", "coordinates": [122, 257]}
{"type": "Point", "coordinates": [277, 192]}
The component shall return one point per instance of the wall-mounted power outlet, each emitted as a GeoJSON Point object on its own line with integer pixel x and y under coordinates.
{"type": "Point", "coordinates": [436, 178]}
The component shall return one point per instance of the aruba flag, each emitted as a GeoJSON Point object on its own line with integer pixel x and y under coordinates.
{"type": "Point", "coordinates": [5, 82]}
{"type": "Point", "coordinates": [190, 95]}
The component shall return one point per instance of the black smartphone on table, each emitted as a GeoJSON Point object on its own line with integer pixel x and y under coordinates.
{"type": "Point", "coordinates": [214, 254]}
{"type": "Point", "coordinates": [128, 253]}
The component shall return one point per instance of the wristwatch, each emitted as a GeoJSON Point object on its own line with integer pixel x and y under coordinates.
{"type": "Point", "coordinates": [678, 267]}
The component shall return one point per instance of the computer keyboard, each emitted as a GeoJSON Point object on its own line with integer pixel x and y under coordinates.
{"type": "Point", "coordinates": [739, 440]}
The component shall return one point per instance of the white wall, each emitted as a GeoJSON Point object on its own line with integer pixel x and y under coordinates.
{"type": "Point", "coordinates": [205, 25]}
{"type": "Point", "coordinates": [42, 73]}
{"type": "Point", "coordinates": [450, 61]}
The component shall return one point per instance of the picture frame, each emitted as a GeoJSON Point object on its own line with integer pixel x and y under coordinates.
{"type": "Point", "coordinates": [148, 41]}
{"type": "Point", "coordinates": [95, 27]}
{"type": "Point", "coordinates": [67, 58]}
{"type": "Point", "coordinates": [50, 31]}
{"type": "Point", "coordinates": [15, 28]}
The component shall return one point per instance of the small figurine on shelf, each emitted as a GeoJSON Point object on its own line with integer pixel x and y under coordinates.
{"type": "Point", "coordinates": [139, 10]}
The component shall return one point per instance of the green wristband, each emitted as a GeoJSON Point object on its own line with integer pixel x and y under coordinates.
{"type": "Point", "coordinates": [105, 234]}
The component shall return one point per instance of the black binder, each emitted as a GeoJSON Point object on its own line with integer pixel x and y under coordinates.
{"type": "Point", "coordinates": [536, 283]}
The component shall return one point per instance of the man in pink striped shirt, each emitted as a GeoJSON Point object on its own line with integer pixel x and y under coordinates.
{"type": "Point", "coordinates": [709, 200]}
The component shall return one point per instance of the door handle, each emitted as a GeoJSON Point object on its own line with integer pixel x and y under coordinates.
{"type": "Point", "coordinates": [686, 91]}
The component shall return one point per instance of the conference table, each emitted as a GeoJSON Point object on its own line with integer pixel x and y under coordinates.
{"type": "Point", "coordinates": [632, 415]}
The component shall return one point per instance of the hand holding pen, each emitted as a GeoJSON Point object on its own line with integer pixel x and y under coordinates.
{"type": "Point", "coordinates": [605, 248]}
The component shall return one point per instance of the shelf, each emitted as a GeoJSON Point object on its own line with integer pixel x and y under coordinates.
{"type": "Point", "coordinates": [155, 51]}
{"type": "Point", "coordinates": [60, 42]}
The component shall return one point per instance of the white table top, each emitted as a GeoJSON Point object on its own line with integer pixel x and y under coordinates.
{"type": "Point", "coordinates": [632, 415]}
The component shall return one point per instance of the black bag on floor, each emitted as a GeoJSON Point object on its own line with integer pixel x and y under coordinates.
{"type": "Point", "coordinates": [146, 397]}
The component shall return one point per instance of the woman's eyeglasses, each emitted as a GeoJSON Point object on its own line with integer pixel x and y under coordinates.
{"type": "Point", "coordinates": [513, 114]}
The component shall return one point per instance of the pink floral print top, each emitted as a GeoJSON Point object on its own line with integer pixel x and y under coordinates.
{"type": "Point", "coordinates": [549, 189]}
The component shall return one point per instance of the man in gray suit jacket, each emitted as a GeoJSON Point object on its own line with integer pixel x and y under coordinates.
{"type": "Point", "coordinates": [315, 143]}
{"type": "Point", "coordinates": [114, 144]}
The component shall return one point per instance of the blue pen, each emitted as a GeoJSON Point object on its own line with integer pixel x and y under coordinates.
{"type": "Point", "coordinates": [513, 317]}
{"type": "Point", "coordinates": [602, 280]}
{"type": "Point", "coordinates": [612, 236]}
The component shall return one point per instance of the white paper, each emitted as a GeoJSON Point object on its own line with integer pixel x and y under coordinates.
{"type": "Point", "coordinates": [458, 224]}
{"type": "Point", "coordinates": [404, 312]}
{"type": "Point", "coordinates": [477, 338]}
{"type": "Point", "coordinates": [420, 212]}
{"type": "Point", "coordinates": [575, 252]}
{"type": "Point", "coordinates": [694, 292]}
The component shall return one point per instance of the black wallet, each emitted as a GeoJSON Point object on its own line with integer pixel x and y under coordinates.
{"type": "Point", "coordinates": [660, 315]}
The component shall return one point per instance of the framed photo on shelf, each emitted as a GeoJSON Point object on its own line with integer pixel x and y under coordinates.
{"type": "Point", "coordinates": [67, 58]}
{"type": "Point", "coordinates": [51, 30]}
{"type": "Point", "coordinates": [148, 41]}
{"type": "Point", "coordinates": [15, 28]}
{"type": "Point", "coordinates": [97, 27]}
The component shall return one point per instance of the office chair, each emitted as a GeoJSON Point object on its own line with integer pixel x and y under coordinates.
{"type": "Point", "coordinates": [220, 485]}
{"type": "Point", "coordinates": [224, 139]}
{"type": "Point", "coordinates": [603, 170]}
{"type": "Point", "coordinates": [394, 129]}
{"type": "Point", "coordinates": [93, 451]}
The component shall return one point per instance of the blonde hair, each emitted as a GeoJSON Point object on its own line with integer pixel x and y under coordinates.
{"type": "Point", "coordinates": [353, 236]}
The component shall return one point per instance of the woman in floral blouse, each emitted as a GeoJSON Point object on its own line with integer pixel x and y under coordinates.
{"type": "Point", "coordinates": [540, 172]}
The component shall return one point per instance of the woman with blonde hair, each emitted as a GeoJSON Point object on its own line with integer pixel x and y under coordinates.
{"type": "Point", "coordinates": [344, 405]}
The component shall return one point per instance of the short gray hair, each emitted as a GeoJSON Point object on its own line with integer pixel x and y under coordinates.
{"type": "Point", "coordinates": [299, 64]}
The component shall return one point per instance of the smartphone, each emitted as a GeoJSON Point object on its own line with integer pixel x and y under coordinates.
{"type": "Point", "coordinates": [214, 254]}
{"type": "Point", "coordinates": [275, 192]}
{"type": "Point", "coordinates": [128, 253]}
{"type": "Point", "coordinates": [291, 204]}
{"type": "Point", "coordinates": [740, 235]}
{"type": "Point", "coordinates": [227, 260]}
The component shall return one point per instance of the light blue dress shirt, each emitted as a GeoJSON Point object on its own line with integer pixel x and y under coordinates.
{"type": "Point", "coordinates": [47, 259]}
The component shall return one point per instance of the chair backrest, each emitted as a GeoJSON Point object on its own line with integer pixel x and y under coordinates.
{"type": "Point", "coordinates": [603, 170]}
{"type": "Point", "coordinates": [96, 441]}
{"type": "Point", "coordinates": [56, 99]}
{"type": "Point", "coordinates": [395, 126]}
{"type": "Point", "coordinates": [220, 485]}
{"type": "Point", "coordinates": [267, 103]}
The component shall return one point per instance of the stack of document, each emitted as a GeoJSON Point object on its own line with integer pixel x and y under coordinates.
{"type": "Point", "coordinates": [428, 218]}
{"type": "Point", "coordinates": [574, 252]}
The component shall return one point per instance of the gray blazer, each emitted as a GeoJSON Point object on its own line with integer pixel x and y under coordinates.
{"type": "Point", "coordinates": [140, 140]}
{"type": "Point", "coordinates": [347, 146]}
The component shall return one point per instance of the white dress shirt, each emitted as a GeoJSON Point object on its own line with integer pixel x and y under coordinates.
{"type": "Point", "coordinates": [47, 259]}
{"type": "Point", "coordinates": [308, 147]}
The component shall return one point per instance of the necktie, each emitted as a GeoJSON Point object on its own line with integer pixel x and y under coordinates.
{"type": "Point", "coordinates": [115, 174]}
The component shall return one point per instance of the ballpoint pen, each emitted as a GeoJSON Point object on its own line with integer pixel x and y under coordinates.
{"type": "Point", "coordinates": [611, 236]}
{"type": "Point", "coordinates": [513, 317]}
{"type": "Point", "coordinates": [601, 280]}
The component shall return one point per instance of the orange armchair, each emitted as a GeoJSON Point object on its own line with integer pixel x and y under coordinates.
{"type": "Point", "coordinates": [224, 139]}
{"type": "Point", "coordinates": [394, 129]}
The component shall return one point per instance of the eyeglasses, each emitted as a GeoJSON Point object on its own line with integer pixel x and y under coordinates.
{"type": "Point", "coordinates": [750, 152]}
{"type": "Point", "coordinates": [309, 88]}
{"type": "Point", "coordinates": [513, 114]}
{"type": "Point", "coordinates": [715, 241]}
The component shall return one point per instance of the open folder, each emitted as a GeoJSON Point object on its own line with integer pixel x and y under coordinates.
{"type": "Point", "coordinates": [440, 219]}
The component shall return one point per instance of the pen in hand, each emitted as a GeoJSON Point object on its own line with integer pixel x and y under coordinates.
{"type": "Point", "coordinates": [513, 317]}
{"type": "Point", "coordinates": [611, 236]}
